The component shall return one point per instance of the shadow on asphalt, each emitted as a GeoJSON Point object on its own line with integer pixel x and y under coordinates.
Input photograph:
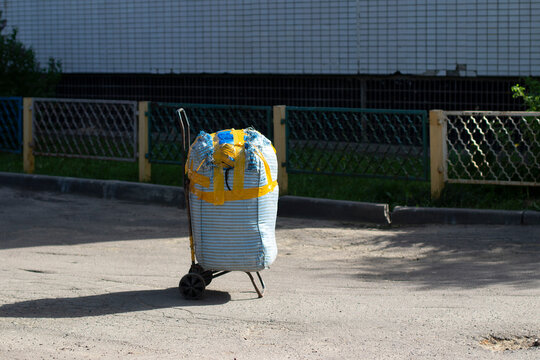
{"type": "Point", "coordinates": [453, 257]}
{"type": "Point", "coordinates": [106, 304]}
{"type": "Point", "coordinates": [42, 219]}
{"type": "Point", "coordinates": [426, 256]}
{"type": "Point", "coordinates": [29, 219]}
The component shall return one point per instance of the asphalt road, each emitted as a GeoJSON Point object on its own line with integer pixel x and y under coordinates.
{"type": "Point", "coordinates": [92, 278]}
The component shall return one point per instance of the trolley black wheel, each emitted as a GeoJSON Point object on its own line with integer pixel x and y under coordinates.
{"type": "Point", "coordinates": [192, 286]}
{"type": "Point", "coordinates": [207, 275]}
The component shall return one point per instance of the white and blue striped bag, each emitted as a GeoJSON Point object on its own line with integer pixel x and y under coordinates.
{"type": "Point", "coordinates": [233, 200]}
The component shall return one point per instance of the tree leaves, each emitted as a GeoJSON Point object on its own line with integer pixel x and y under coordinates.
{"type": "Point", "coordinates": [20, 72]}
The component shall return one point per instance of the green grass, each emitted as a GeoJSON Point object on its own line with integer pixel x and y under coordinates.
{"type": "Point", "coordinates": [414, 193]}
{"type": "Point", "coordinates": [93, 169]}
{"type": "Point", "coordinates": [353, 162]}
{"type": "Point", "coordinates": [11, 162]}
{"type": "Point", "coordinates": [393, 192]}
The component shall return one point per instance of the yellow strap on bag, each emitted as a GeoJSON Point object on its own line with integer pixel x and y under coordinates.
{"type": "Point", "coordinates": [225, 154]}
{"type": "Point", "coordinates": [240, 161]}
{"type": "Point", "coordinates": [219, 191]}
{"type": "Point", "coordinates": [239, 170]}
{"type": "Point", "coordinates": [199, 179]}
{"type": "Point", "coordinates": [219, 195]}
{"type": "Point", "coordinates": [195, 177]}
{"type": "Point", "coordinates": [238, 137]}
{"type": "Point", "coordinates": [233, 195]}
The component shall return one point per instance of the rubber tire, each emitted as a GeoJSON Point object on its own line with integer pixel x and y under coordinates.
{"type": "Point", "coordinates": [192, 286]}
{"type": "Point", "coordinates": [206, 274]}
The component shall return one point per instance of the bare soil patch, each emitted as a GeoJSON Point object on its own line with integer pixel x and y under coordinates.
{"type": "Point", "coordinates": [504, 343]}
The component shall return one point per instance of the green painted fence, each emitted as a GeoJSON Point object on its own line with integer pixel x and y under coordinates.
{"type": "Point", "coordinates": [165, 144]}
{"type": "Point", "coordinates": [11, 124]}
{"type": "Point", "coordinates": [358, 142]}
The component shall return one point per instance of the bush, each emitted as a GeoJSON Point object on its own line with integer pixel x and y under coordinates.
{"type": "Point", "coordinates": [530, 129]}
{"type": "Point", "coordinates": [529, 94]}
{"type": "Point", "coordinates": [20, 72]}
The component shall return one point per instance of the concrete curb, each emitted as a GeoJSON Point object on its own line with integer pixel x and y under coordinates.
{"type": "Point", "coordinates": [295, 206]}
{"type": "Point", "coordinates": [289, 206]}
{"type": "Point", "coordinates": [414, 216]}
{"type": "Point", "coordinates": [107, 189]}
{"type": "Point", "coordinates": [531, 217]}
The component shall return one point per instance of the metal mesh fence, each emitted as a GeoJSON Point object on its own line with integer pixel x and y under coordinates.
{"type": "Point", "coordinates": [95, 129]}
{"type": "Point", "coordinates": [165, 137]}
{"type": "Point", "coordinates": [493, 148]}
{"type": "Point", "coordinates": [380, 54]}
{"type": "Point", "coordinates": [385, 92]}
{"type": "Point", "coordinates": [11, 124]}
{"type": "Point", "coordinates": [372, 37]}
{"type": "Point", "coordinates": [357, 142]}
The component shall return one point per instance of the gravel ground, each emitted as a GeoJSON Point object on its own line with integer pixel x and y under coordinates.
{"type": "Point", "coordinates": [91, 278]}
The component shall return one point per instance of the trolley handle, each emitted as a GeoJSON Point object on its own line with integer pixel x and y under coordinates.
{"type": "Point", "coordinates": [186, 128]}
{"type": "Point", "coordinates": [186, 141]}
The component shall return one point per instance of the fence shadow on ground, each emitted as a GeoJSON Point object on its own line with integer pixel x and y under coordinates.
{"type": "Point", "coordinates": [107, 304]}
{"type": "Point", "coordinates": [428, 257]}
{"type": "Point", "coordinates": [31, 218]}
{"type": "Point", "coordinates": [39, 218]}
{"type": "Point", "coordinates": [448, 257]}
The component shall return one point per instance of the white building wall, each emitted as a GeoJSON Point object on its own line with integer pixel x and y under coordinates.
{"type": "Point", "coordinates": [479, 37]}
{"type": "Point", "coordinates": [487, 37]}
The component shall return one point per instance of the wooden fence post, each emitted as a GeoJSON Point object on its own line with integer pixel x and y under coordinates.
{"type": "Point", "coordinates": [280, 143]}
{"type": "Point", "coordinates": [28, 143]}
{"type": "Point", "coordinates": [437, 143]}
{"type": "Point", "coordinates": [145, 168]}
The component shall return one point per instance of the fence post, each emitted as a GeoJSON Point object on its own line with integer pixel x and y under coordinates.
{"type": "Point", "coordinates": [145, 168]}
{"type": "Point", "coordinates": [28, 144]}
{"type": "Point", "coordinates": [280, 143]}
{"type": "Point", "coordinates": [437, 141]}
